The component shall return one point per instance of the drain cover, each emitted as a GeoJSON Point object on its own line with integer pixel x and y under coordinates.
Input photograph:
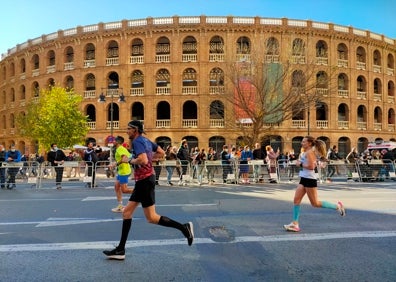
{"type": "Point", "coordinates": [221, 234]}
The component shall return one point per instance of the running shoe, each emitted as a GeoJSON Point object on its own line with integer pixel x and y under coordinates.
{"type": "Point", "coordinates": [341, 208]}
{"type": "Point", "coordinates": [119, 208]}
{"type": "Point", "coordinates": [190, 233]}
{"type": "Point", "coordinates": [292, 227]}
{"type": "Point", "coordinates": [115, 254]}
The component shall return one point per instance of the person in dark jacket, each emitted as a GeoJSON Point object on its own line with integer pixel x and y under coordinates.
{"type": "Point", "coordinates": [91, 159]}
{"type": "Point", "coordinates": [57, 158]}
{"type": "Point", "coordinates": [183, 154]}
{"type": "Point", "coordinates": [12, 156]}
{"type": "Point", "coordinates": [2, 169]}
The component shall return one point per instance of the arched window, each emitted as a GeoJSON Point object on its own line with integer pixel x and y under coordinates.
{"type": "Point", "coordinates": [137, 111]}
{"type": "Point", "coordinates": [216, 49]}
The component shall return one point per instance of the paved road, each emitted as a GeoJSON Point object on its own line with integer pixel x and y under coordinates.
{"type": "Point", "coordinates": [50, 235]}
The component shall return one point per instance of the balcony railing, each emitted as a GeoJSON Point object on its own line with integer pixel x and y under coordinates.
{"type": "Point", "coordinates": [298, 59]}
{"type": "Point", "coordinates": [190, 123]}
{"type": "Point", "coordinates": [219, 123]}
{"type": "Point", "coordinates": [36, 72]}
{"type": "Point", "coordinates": [163, 90]}
{"type": "Point", "coordinates": [360, 65]}
{"type": "Point", "coordinates": [322, 61]}
{"type": "Point", "coordinates": [342, 63]}
{"type": "Point", "coordinates": [343, 124]}
{"type": "Point", "coordinates": [361, 125]}
{"type": "Point", "coordinates": [69, 66]}
{"type": "Point", "coordinates": [90, 94]}
{"type": "Point", "coordinates": [390, 71]}
{"type": "Point", "coordinates": [377, 126]}
{"type": "Point", "coordinates": [391, 127]}
{"type": "Point", "coordinates": [91, 124]}
{"type": "Point", "coordinates": [216, 57]}
{"type": "Point", "coordinates": [322, 92]}
{"type": "Point", "coordinates": [163, 123]}
{"type": "Point", "coordinates": [271, 59]}
{"type": "Point", "coordinates": [186, 90]}
{"type": "Point", "coordinates": [139, 91]}
{"type": "Point", "coordinates": [136, 59]}
{"type": "Point", "coordinates": [162, 58]}
{"type": "Point", "coordinates": [116, 124]}
{"type": "Point", "coordinates": [243, 57]}
{"type": "Point", "coordinates": [89, 63]}
{"type": "Point", "coordinates": [322, 124]}
{"type": "Point", "coordinates": [343, 93]}
{"type": "Point", "coordinates": [377, 97]}
{"type": "Point", "coordinates": [391, 99]}
{"type": "Point", "coordinates": [112, 61]}
{"type": "Point", "coordinates": [361, 95]}
{"type": "Point", "coordinates": [216, 89]}
{"type": "Point", "coordinates": [189, 57]}
{"type": "Point", "coordinates": [299, 123]}
{"type": "Point", "coordinates": [51, 69]}
{"type": "Point", "coordinates": [377, 68]}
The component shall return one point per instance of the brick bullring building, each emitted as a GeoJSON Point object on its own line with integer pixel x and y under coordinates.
{"type": "Point", "coordinates": [165, 72]}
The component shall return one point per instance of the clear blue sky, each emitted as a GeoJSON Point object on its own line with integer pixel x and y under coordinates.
{"type": "Point", "coordinates": [21, 20]}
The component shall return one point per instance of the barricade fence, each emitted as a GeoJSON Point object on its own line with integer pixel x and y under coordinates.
{"type": "Point", "coordinates": [214, 172]}
{"type": "Point", "coordinates": [80, 173]}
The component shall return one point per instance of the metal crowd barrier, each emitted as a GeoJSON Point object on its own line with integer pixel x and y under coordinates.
{"type": "Point", "coordinates": [75, 173]}
{"type": "Point", "coordinates": [25, 172]}
{"type": "Point", "coordinates": [81, 173]}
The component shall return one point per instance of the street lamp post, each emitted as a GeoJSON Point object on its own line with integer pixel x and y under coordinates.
{"type": "Point", "coordinates": [112, 91]}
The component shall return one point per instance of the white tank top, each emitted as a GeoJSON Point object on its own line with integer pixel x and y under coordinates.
{"type": "Point", "coordinates": [306, 173]}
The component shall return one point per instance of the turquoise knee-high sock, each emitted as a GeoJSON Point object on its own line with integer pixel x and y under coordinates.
{"type": "Point", "coordinates": [328, 205]}
{"type": "Point", "coordinates": [296, 212]}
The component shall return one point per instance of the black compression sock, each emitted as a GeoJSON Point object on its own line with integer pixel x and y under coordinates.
{"type": "Point", "coordinates": [126, 226]}
{"type": "Point", "coordinates": [166, 221]}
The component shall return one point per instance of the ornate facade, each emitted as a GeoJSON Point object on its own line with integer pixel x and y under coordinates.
{"type": "Point", "coordinates": [168, 73]}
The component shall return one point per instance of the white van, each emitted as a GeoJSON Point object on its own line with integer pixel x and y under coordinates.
{"type": "Point", "coordinates": [387, 145]}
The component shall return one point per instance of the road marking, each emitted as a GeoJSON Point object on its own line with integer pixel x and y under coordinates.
{"type": "Point", "coordinates": [54, 221]}
{"type": "Point", "coordinates": [244, 239]}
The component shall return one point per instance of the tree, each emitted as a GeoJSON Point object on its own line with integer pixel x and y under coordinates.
{"type": "Point", "coordinates": [54, 117]}
{"type": "Point", "coordinates": [265, 92]}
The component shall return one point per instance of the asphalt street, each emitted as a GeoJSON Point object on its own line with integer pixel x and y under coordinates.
{"type": "Point", "coordinates": [59, 235]}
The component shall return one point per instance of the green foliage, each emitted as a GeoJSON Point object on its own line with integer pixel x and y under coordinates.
{"type": "Point", "coordinates": [54, 117]}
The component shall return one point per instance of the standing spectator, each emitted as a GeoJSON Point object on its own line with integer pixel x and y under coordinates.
{"type": "Point", "coordinates": [313, 149]}
{"type": "Point", "coordinates": [91, 159]}
{"type": "Point", "coordinates": [57, 158]}
{"type": "Point", "coordinates": [12, 156]}
{"type": "Point", "coordinates": [271, 158]}
{"type": "Point", "coordinates": [332, 155]}
{"type": "Point", "coordinates": [351, 159]}
{"type": "Point", "coordinates": [144, 193]}
{"type": "Point", "coordinates": [157, 163]}
{"type": "Point", "coordinates": [123, 172]}
{"type": "Point", "coordinates": [258, 154]}
{"type": "Point", "coordinates": [199, 160]}
{"type": "Point", "coordinates": [246, 156]}
{"type": "Point", "coordinates": [183, 156]}
{"type": "Point", "coordinates": [211, 156]}
{"type": "Point", "coordinates": [291, 164]}
{"type": "Point", "coordinates": [171, 155]}
{"type": "Point", "coordinates": [2, 169]}
{"type": "Point", "coordinates": [225, 163]}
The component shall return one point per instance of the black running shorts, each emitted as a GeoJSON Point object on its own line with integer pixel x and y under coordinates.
{"type": "Point", "coordinates": [144, 192]}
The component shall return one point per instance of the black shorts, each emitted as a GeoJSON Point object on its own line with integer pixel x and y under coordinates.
{"type": "Point", "coordinates": [308, 182]}
{"type": "Point", "coordinates": [144, 192]}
